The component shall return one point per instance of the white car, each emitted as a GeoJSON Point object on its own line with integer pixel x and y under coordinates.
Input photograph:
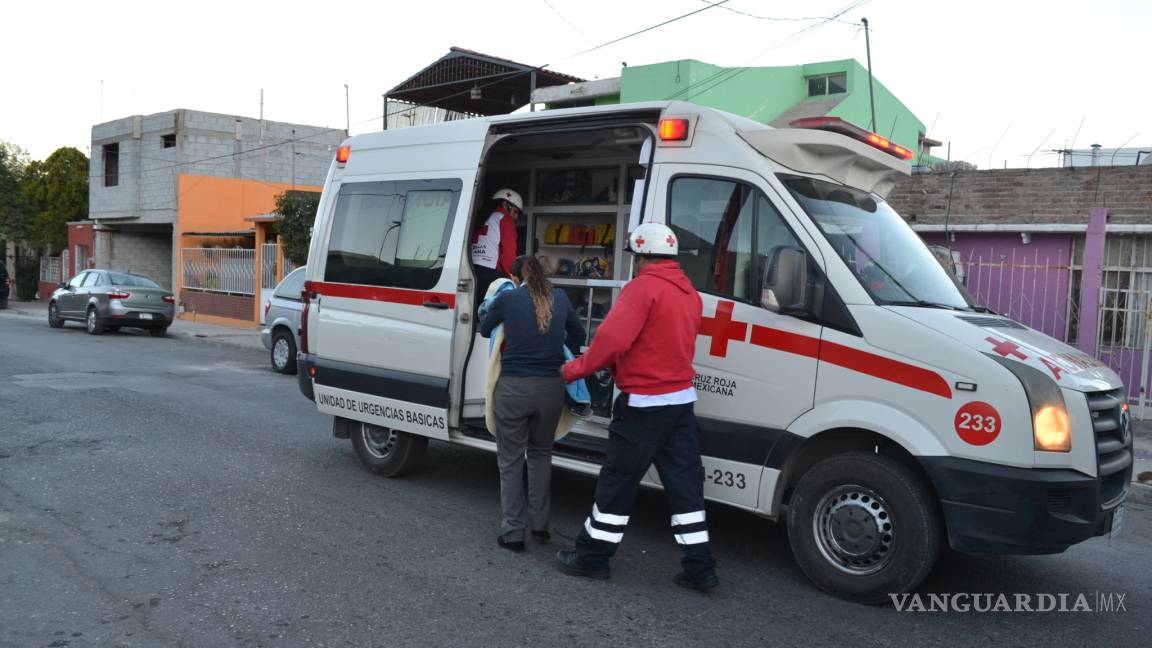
{"type": "Point", "coordinates": [282, 322]}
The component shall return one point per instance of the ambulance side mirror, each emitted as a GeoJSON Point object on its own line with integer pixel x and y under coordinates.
{"type": "Point", "coordinates": [785, 288]}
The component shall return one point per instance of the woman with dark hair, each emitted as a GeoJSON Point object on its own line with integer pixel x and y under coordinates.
{"type": "Point", "coordinates": [538, 322]}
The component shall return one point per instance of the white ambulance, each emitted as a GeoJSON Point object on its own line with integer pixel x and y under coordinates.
{"type": "Point", "coordinates": [846, 383]}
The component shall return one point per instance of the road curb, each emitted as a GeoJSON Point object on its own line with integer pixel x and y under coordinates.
{"type": "Point", "coordinates": [1141, 493]}
{"type": "Point", "coordinates": [216, 339]}
{"type": "Point", "coordinates": [21, 312]}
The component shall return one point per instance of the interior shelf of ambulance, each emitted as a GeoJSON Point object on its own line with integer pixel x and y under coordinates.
{"type": "Point", "coordinates": [578, 189]}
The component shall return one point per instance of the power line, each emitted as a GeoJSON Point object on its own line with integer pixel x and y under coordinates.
{"type": "Point", "coordinates": [387, 113]}
{"type": "Point", "coordinates": [642, 31]}
{"type": "Point", "coordinates": [776, 19]}
{"type": "Point", "coordinates": [574, 27]}
{"type": "Point", "coordinates": [717, 79]}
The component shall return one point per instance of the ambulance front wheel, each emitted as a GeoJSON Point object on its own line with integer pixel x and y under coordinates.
{"type": "Point", "coordinates": [863, 526]}
{"type": "Point", "coordinates": [387, 452]}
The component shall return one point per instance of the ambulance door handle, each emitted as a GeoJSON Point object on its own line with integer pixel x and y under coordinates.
{"type": "Point", "coordinates": [438, 305]}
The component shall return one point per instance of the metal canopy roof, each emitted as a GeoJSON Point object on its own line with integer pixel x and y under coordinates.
{"type": "Point", "coordinates": [452, 80]}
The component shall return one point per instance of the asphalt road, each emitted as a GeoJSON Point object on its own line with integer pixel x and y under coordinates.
{"type": "Point", "coordinates": [167, 492]}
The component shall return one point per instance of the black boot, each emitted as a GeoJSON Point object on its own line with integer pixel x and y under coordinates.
{"type": "Point", "coordinates": [510, 545]}
{"type": "Point", "coordinates": [703, 583]}
{"type": "Point", "coordinates": [570, 564]}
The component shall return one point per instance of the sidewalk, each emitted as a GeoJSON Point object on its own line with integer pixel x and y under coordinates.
{"type": "Point", "coordinates": [247, 338]}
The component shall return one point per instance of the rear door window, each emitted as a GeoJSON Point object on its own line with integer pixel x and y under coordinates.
{"type": "Point", "coordinates": [392, 233]}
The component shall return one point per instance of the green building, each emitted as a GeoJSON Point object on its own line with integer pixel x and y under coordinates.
{"type": "Point", "coordinates": [772, 95]}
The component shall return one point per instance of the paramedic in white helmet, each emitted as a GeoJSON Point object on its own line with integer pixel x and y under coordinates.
{"type": "Point", "coordinates": [648, 340]}
{"type": "Point", "coordinates": [494, 242]}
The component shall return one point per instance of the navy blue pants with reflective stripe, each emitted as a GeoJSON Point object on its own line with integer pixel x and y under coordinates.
{"type": "Point", "coordinates": [638, 437]}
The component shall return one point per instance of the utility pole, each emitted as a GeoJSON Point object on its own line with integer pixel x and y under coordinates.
{"type": "Point", "coordinates": [293, 159]}
{"type": "Point", "coordinates": [347, 114]}
{"type": "Point", "coordinates": [871, 95]}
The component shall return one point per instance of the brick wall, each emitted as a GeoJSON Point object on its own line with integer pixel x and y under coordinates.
{"type": "Point", "coordinates": [1057, 195]}
{"type": "Point", "coordinates": [239, 307]}
{"type": "Point", "coordinates": [45, 289]}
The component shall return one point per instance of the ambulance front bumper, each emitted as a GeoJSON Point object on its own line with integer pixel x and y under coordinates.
{"type": "Point", "coordinates": [996, 509]}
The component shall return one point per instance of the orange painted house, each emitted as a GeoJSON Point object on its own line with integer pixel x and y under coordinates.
{"type": "Point", "coordinates": [218, 217]}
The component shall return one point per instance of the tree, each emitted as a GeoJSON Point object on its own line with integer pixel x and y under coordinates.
{"type": "Point", "coordinates": [13, 216]}
{"type": "Point", "coordinates": [55, 192]}
{"type": "Point", "coordinates": [297, 210]}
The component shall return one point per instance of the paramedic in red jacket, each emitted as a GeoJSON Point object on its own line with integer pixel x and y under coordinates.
{"type": "Point", "coordinates": [648, 341]}
{"type": "Point", "coordinates": [494, 242]}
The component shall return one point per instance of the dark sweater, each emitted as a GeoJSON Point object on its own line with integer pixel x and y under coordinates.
{"type": "Point", "coordinates": [527, 352]}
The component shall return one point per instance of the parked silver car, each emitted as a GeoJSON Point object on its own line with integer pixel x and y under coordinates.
{"type": "Point", "coordinates": [282, 322]}
{"type": "Point", "coordinates": [107, 299]}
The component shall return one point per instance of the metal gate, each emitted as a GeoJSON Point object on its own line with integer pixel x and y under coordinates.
{"type": "Point", "coordinates": [269, 259]}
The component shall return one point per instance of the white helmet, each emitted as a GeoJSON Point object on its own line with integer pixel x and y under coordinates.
{"type": "Point", "coordinates": [653, 239]}
{"type": "Point", "coordinates": [511, 196]}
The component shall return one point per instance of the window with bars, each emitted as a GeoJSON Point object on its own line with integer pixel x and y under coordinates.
{"type": "Point", "coordinates": [1125, 289]}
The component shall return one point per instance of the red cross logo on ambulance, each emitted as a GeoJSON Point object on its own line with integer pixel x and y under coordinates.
{"type": "Point", "coordinates": [722, 329]}
{"type": "Point", "coordinates": [1006, 348]}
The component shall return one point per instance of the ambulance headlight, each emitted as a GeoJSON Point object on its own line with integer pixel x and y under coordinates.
{"type": "Point", "coordinates": [1051, 426]}
{"type": "Point", "coordinates": [1051, 430]}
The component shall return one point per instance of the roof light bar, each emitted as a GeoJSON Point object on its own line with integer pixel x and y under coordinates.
{"type": "Point", "coordinates": [837, 125]}
{"type": "Point", "coordinates": [343, 153]}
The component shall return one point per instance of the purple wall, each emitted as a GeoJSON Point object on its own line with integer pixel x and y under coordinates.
{"type": "Point", "coordinates": [1027, 282]}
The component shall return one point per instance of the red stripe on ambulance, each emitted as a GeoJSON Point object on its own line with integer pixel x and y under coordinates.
{"type": "Point", "coordinates": [883, 368]}
{"type": "Point", "coordinates": [381, 294]}
{"type": "Point", "coordinates": [864, 362]}
{"type": "Point", "coordinates": [723, 329]}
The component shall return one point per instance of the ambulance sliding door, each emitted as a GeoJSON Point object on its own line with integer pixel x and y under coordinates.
{"type": "Point", "coordinates": [755, 369]}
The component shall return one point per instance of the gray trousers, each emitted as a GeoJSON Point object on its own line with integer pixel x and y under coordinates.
{"type": "Point", "coordinates": [527, 411]}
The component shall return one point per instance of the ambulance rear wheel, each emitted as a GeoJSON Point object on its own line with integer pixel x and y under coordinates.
{"type": "Point", "coordinates": [863, 526]}
{"type": "Point", "coordinates": [388, 452]}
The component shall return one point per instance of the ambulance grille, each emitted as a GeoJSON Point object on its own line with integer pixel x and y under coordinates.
{"type": "Point", "coordinates": [1113, 429]}
{"type": "Point", "coordinates": [990, 322]}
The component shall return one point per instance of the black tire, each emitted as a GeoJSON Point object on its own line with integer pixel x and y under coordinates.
{"type": "Point", "coordinates": [92, 322]}
{"type": "Point", "coordinates": [160, 331]}
{"type": "Point", "coordinates": [54, 319]}
{"type": "Point", "coordinates": [863, 526]}
{"type": "Point", "coordinates": [283, 353]}
{"type": "Point", "coordinates": [3, 303]}
{"type": "Point", "coordinates": [387, 452]}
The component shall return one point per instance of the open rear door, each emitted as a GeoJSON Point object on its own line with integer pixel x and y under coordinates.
{"type": "Point", "coordinates": [387, 304]}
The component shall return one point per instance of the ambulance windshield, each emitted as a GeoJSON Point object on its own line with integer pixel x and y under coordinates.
{"type": "Point", "coordinates": [885, 254]}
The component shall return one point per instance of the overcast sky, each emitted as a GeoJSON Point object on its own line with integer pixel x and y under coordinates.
{"type": "Point", "coordinates": [996, 79]}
